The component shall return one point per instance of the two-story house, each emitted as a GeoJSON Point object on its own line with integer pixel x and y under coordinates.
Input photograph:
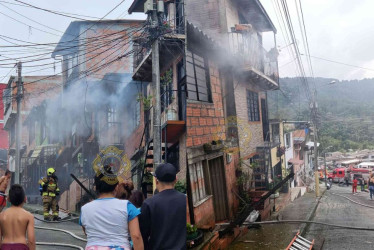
{"type": "Point", "coordinates": [36, 89]}
{"type": "Point", "coordinates": [99, 105]}
{"type": "Point", "coordinates": [221, 73]}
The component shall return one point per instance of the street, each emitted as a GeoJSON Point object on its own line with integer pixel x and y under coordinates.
{"type": "Point", "coordinates": [338, 210]}
{"type": "Point", "coordinates": [58, 237]}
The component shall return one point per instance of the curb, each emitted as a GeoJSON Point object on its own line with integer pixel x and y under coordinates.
{"type": "Point", "coordinates": [305, 226]}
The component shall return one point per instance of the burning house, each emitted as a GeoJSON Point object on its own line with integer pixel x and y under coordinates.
{"type": "Point", "coordinates": [36, 90]}
{"type": "Point", "coordinates": [96, 107]}
{"type": "Point", "coordinates": [220, 72]}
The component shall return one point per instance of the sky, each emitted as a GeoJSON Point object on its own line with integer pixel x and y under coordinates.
{"type": "Point", "coordinates": [337, 30]}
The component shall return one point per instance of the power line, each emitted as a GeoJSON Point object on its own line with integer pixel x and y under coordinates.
{"type": "Point", "coordinates": [50, 11]}
{"type": "Point", "coordinates": [342, 63]}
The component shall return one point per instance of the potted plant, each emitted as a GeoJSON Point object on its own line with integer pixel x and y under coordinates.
{"type": "Point", "coordinates": [214, 146]}
{"type": "Point", "coordinates": [194, 236]}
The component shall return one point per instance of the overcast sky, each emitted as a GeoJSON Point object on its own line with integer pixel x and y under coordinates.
{"type": "Point", "coordinates": [338, 30]}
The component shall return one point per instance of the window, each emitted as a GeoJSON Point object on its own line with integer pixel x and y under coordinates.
{"type": "Point", "coordinates": [166, 89]}
{"type": "Point", "coordinates": [242, 19]}
{"type": "Point", "coordinates": [275, 133]}
{"type": "Point", "coordinates": [253, 107]}
{"type": "Point", "coordinates": [112, 118]}
{"type": "Point", "coordinates": [136, 115]}
{"type": "Point", "coordinates": [179, 16]}
{"type": "Point", "coordinates": [288, 140]}
{"type": "Point", "coordinates": [198, 84]}
{"type": "Point", "coordinates": [197, 182]}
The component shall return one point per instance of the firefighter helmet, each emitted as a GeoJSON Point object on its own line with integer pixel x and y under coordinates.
{"type": "Point", "coordinates": [50, 171]}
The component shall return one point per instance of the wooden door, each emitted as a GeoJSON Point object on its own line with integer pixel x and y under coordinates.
{"type": "Point", "coordinates": [218, 188]}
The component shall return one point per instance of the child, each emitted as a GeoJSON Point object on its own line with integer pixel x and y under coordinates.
{"type": "Point", "coordinates": [15, 222]}
{"type": "Point", "coordinates": [354, 185]}
{"type": "Point", "coordinates": [4, 181]}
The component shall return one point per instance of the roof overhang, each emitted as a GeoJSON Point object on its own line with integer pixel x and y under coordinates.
{"type": "Point", "coordinates": [137, 6]}
{"type": "Point", "coordinates": [257, 15]}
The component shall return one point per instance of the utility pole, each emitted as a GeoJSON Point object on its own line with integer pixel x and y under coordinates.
{"type": "Point", "coordinates": [156, 88]}
{"type": "Point", "coordinates": [18, 124]}
{"type": "Point", "coordinates": [315, 161]}
{"type": "Point", "coordinates": [324, 162]}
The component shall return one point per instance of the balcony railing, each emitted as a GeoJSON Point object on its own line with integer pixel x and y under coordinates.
{"type": "Point", "coordinates": [250, 53]}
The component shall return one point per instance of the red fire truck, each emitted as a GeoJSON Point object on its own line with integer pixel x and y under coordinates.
{"type": "Point", "coordinates": [338, 174]}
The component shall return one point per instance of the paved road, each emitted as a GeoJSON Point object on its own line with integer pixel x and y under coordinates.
{"type": "Point", "coordinates": [338, 210]}
{"type": "Point", "coordinates": [58, 237]}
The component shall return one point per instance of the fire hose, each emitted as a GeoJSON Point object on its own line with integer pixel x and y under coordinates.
{"type": "Point", "coordinates": [301, 221]}
{"type": "Point", "coordinates": [358, 203]}
{"type": "Point", "coordinates": [62, 230]}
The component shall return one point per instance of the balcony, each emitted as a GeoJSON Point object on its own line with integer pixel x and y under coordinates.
{"type": "Point", "coordinates": [9, 117]}
{"type": "Point", "coordinates": [254, 60]}
{"type": "Point", "coordinates": [171, 47]}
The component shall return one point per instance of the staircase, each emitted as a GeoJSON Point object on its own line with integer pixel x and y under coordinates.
{"type": "Point", "coordinates": [146, 177]}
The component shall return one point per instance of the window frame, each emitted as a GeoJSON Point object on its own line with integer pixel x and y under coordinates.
{"type": "Point", "coordinates": [200, 193]}
{"type": "Point", "coordinates": [193, 86]}
{"type": "Point", "coordinates": [253, 106]}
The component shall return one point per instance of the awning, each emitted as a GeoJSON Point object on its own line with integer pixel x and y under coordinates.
{"type": "Point", "coordinates": [36, 152]}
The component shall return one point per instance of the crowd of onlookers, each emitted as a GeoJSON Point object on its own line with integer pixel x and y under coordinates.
{"type": "Point", "coordinates": [119, 219]}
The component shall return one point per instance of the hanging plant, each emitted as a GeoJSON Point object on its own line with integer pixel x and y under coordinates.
{"type": "Point", "coordinates": [146, 101]}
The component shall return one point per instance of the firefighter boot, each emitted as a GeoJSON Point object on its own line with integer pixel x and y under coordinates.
{"type": "Point", "coordinates": [47, 218]}
{"type": "Point", "coordinates": [56, 218]}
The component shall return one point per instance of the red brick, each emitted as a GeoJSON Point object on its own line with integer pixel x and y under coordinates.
{"type": "Point", "coordinates": [211, 112]}
{"type": "Point", "coordinates": [215, 121]}
{"type": "Point", "coordinates": [202, 121]}
{"type": "Point", "coordinates": [204, 112]}
{"type": "Point", "coordinates": [209, 121]}
{"type": "Point", "coordinates": [196, 112]}
{"type": "Point", "coordinates": [188, 122]}
{"type": "Point", "coordinates": [196, 141]}
{"type": "Point", "coordinates": [218, 113]}
{"type": "Point", "coordinates": [189, 111]}
{"type": "Point", "coordinates": [191, 131]}
{"type": "Point", "coordinates": [222, 121]}
{"type": "Point", "coordinates": [189, 142]}
{"type": "Point", "coordinates": [213, 80]}
{"type": "Point", "coordinates": [207, 130]}
{"type": "Point", "coordinates": [199, 131]}
{"type": "Point", "coordinates": [195, 121]}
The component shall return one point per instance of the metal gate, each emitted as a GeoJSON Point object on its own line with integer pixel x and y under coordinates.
{"type": "Point", "coordinates": [218, 188]}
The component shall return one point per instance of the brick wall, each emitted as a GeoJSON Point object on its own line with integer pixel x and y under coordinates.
{"type": "Point", "coordinates": [206, 120]}
{"type": "Point", "coordinates": [109, 50]}
{"type": "Point", "coordinates": [204, 214]}
{"type": "Point", "coordinates": [254, 129]}
{"type": "Point", "coordinates": [205, 15]}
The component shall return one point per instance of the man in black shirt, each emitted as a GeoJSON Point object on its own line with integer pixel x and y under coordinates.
{"type": "Point", "coordinates": [163, 217]}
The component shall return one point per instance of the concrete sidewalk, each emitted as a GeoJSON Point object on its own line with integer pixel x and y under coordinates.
{"type": "Point", "coordinates": [278, 236]}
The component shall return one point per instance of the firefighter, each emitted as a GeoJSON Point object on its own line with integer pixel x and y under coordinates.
{"type": "Point", "coordinates": [49, 193]}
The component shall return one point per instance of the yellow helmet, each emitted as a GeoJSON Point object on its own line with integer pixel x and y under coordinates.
{"type": "Point", "coordinates": [50, 171]}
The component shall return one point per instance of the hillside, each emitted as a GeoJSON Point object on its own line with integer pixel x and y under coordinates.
{"type": "Point", "coordinates": [346, 110]}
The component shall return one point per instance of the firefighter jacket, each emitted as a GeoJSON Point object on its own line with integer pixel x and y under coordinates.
{"type": "Point", "coordinates": [49, 186]}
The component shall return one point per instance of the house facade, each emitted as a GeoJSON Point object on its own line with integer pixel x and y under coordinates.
{"type": "Point", "coordinates": [36, 89]}
{"type": "Point", "coordinates": [4, 141]}
{"type": "Point", "coordinates": [221, 102]}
